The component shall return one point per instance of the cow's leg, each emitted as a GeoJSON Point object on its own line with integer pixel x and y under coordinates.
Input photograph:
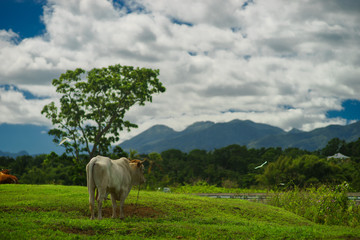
{"type": "Point", "coordinates": [99, 209]}
{"type": "Point", "coordinates": [123, 196]}
{"type": "Point", "coordinates": [113, 201]}
{"type": "Point", "coordinates": [91, 202]}
{"type": "Point", "coordinates": [122, 200]}
{"type": "Point", "coordinates": [91, 206]}
{"type": "Point", "coordinates": [101, 196]}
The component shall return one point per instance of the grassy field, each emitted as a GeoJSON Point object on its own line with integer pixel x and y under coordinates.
{"type": "Point", "coordinates": [61, 212]}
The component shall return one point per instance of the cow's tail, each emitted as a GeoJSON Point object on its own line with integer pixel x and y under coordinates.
{"type": "Point", "coordinates": [91, 184]}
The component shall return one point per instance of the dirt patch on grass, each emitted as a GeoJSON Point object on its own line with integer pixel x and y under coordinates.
{"type": "Point", "coordinates": [130, 210]}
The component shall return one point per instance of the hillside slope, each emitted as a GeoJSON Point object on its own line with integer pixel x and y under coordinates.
{"type": "Point", "coordinates": [312, 140]}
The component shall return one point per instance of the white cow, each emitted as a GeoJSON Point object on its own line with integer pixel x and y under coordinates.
{"type": "Point", "coordinates": [112, 176]}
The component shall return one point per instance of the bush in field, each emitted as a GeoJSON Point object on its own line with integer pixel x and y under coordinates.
{"type": "Point", "coordinates": [326, 205]}
{"type": "Point", "coordinates": [227, 183]}
{"type": "Point", "coordinates": [199, 186]}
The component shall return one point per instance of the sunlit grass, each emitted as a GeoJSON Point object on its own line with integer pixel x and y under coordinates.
{"type": "Point", "coordinates": [204, 187]}
{"type": "Point", "coordinates": [61, 212]}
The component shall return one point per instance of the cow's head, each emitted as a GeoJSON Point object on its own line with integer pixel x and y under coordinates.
{"type": "Point", "coordinates": [138, 167]}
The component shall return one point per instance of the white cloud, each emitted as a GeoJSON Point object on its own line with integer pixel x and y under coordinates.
{"type": "Point", "coordinates": [7, 38]}
{"type": "Point", "coordinates": [16, 109]}
{"type": "Point", "coordinates": [271, 61]}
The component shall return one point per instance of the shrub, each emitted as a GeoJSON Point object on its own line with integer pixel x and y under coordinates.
{"type": "Point", "coordinates": [326, 205]}
{"type": "Point", "coordinates": [227, 183]}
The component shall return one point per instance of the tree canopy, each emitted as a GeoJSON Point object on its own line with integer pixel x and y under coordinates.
{"type": "Point", "coordinates": [231, 166]}
{"type": "Point", "coordinates": [92, 108]}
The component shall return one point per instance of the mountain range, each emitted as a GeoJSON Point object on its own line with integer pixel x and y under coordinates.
{"type": "Point", "coordinates": [209, 136]}
{"type": "Point", "coordinates": [17, 140]}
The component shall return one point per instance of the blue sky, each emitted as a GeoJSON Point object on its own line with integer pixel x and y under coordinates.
{"type": "Point", "coordinates": [350, 111]}
{"type": "Point", "coordinates": [22, 16]}
{"type": "Point", "coordinates": [291, 65]}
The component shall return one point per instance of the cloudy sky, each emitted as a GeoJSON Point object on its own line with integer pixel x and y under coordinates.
{"type": "Point", "coordinates": [291, 64]}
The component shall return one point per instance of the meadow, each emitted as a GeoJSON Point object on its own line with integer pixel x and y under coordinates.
{"type": "Point", "coordinates": [61, 212]}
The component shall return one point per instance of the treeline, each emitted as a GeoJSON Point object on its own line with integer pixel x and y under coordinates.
{"type": "Point", "coordinates": [231, 167]}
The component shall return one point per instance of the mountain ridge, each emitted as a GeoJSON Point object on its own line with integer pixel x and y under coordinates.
{"type": "Point", "coordinates": [312, 140]}
{"type": "Point", "coordinates": [209, 136]}
{"type": "Point", "coordinates": [16, 140]}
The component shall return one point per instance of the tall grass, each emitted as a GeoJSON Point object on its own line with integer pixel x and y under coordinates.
{"type": "Point", "coordinates": [325, 205]}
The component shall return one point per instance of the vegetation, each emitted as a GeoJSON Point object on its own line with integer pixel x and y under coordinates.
{"type": "Point", "coordinates": [303, 207]}
{"type": "Point", "coordinates": [327, 205]}
{"type": "Point", "coordinates": [231, 167]}
{"type": "Point", "coordinates": [203, 187]}
{"type": "Point", "coordinates": [61, 212]}
{"type": "Point", "coordinates": [92, 111]}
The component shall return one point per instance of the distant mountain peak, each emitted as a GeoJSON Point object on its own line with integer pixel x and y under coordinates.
{"type": "Point", "coordinates": [205, 135]}
{"type": "Point", "coordinates": [295, 130]}
{"type": "Point", "coordinates": [199, 126]}
{"type": "Point", "coordinates": [13, 155]}
{"type": "Point", "coordinates": [209, 136]}
{"type": "Point", "coordinates": [160, 127]}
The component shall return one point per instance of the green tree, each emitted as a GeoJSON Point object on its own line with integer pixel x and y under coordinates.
{"type": "Point", "coordinates": [5, 162]}
{"type": "Point", "coordinates": [197, 160]}
{"type": "Point", "coordinates": [275, 173]}
{"type": "Point", "coordinates": [92, 109]}
{"type": "Point", "coordinates": [154, 159]}
{"type": "Point", "coordinates": [333, 146]}
{"type": "Point", "coordinates": [118, 152]}
{"type": "Point", "coordinates": [174, 165]}
{"type": "Point", "coordinates": [154, 172]}
{"type": "Point", "coordinates": [134, 154]}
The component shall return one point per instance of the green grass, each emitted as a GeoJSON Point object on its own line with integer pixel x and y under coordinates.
{"type": "Point", "coordinates": [327, 205]}
{"type": "Point", "coordinates": [61, 212]}
{"type": "Point", "coordinates": [204, 187]}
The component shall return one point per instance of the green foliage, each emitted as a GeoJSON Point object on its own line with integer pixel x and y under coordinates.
{"type": "Point", "coordinates": [91, 111]}
{"type": "Point", "coordinates": [48, 169]}
{"type": "Point", "coordinates": [61, 212]}
{"type": "Point", "coordinates": [202, 186]}
{"type": "Point", "coordinates": [230, 167]}
{"type": "Point", "coordinates": [335, 145]}
{"type": "Point", "coordinates": [229, 184]}
{"type": "Point", "coordinates": [301, 171]}
{"type": "Point", "coordinates": [118, 152]}
{"type": "Point", "coordinates": [327, 205]}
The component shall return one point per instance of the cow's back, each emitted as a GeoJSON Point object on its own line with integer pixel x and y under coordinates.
{"type": "Point", "coordinates": [120, 176]}
{"type": "Point", "coordinates": [113, 175]}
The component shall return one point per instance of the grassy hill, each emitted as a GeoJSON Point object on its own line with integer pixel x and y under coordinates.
{"type": "Point", "coordinates": [61, 212]}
